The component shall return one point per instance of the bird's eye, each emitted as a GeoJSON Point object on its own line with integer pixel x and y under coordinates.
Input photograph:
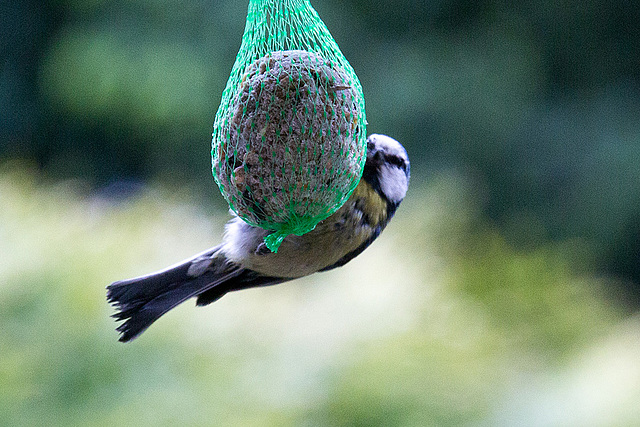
{"type": "Point", "coordinates": [396, 160]}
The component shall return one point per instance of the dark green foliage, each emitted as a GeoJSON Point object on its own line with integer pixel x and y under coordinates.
{"type": "Point", "coordinates": [538, 101]}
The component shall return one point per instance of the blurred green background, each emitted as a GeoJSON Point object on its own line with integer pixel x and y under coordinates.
{"type": "Point", "coordinates": [505, 291]}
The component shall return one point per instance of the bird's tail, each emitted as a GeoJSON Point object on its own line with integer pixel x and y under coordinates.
{"type": "Point", "coordinates": [207, 276]}
{"type": "Point", "coordinates": [142, 300]}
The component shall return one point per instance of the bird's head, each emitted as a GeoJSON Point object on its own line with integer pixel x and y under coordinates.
{"type": "Point", "coordinates": [387, 168]}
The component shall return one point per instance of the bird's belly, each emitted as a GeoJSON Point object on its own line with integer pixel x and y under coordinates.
{"type": "Point", "coordinates": [303, 255]}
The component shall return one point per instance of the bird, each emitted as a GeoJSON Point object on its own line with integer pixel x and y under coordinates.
{"type": "Point", "coordinates": [242, 260]}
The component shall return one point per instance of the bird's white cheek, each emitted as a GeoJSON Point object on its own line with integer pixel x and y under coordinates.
{"type": "Point", "coordinates": [393, 182]}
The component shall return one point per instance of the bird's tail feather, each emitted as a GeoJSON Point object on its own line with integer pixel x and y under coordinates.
{"type": "Point", "coordinates": [142, 300]}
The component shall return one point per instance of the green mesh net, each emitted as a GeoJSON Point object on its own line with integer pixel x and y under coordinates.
{"type": "Point", "coordinates": [289, 138]}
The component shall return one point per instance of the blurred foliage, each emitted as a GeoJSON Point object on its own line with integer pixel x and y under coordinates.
{"type": "Point", "coordinates": [538, 101]}
{"type": "Point", "coordinates": [452, 327]}
{"type": "Point", "coordinates": [499, 295]}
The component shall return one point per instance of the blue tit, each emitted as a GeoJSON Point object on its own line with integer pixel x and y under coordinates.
{"type": "Point", "coordinates": [242, 261]}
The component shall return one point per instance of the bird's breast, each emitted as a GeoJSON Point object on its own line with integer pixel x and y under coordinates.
{"type": "Point", "coordinates": [342, 233]}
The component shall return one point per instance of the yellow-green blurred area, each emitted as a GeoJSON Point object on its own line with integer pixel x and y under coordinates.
{"type": "Point", "coordinates": [504, 292]}
{"type": "Point", "coordinates": [448, 327]}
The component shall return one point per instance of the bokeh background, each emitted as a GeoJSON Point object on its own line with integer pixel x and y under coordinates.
{"type": "Point", "coordinates": [505, 291]}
